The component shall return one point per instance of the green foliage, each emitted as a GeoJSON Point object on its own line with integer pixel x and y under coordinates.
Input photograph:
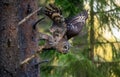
{"type": "Point", "coordinates": [42, 42]}
{"type": "Point", "coordinates": [70, 7]}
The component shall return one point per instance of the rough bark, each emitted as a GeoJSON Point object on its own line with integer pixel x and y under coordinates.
{"type": "Point", "coordinates": [28, 38]}
{"type": "Point", "coordinates": [17, 42]}
{"type": "Point", "coordinates": [9, 55]}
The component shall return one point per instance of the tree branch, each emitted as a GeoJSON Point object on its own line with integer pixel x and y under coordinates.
{"type": "Point", "coordinates": [32, 56]}
{"type": "Point", "coordinates": [106, 11]}
{"type": "Point", "coordinates": [26, 18]}
{"type": "Point", "coordinates": [44, 61]}
{"type": "Point", "coordinates": [112, 62]}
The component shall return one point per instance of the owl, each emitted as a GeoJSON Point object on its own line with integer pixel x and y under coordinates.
{"type": "Point", "coordinates": [74, 24]}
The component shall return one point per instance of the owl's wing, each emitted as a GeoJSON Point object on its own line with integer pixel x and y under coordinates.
{"type": "Point", "coordinates": [53, 12]}
{"type": "Point", "coordinates": [75, 24]}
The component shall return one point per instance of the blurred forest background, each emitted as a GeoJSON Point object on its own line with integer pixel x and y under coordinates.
{"type": "Point", "coordinates": [95, 52]}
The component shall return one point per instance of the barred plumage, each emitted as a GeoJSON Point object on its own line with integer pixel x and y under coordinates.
{"type": "Point", "coordinates": [74, 24]}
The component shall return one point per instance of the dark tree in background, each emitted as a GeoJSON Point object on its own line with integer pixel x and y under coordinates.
{"type": "Point", "coordinates": [17, 42]}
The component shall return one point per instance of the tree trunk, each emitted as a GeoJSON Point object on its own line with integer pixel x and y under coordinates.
{"type": "Point", "coordinates": [17, 42]}
{"type": "Point", "coordinates": [92, 37]}
{"type": "Point", "coordinates": [9, 55]}
{"type": "Point", "coordinates": [28, 37]}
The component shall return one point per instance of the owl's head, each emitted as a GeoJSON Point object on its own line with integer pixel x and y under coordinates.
{"type": "Point", "coordinates": [63, 46]}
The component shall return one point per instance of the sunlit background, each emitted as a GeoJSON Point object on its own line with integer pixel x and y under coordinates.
{"type": "Point", "coordinates": [95, 52]}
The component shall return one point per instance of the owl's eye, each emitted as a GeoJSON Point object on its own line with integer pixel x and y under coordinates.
{"type": "Point", "coordinates": [65, 47]}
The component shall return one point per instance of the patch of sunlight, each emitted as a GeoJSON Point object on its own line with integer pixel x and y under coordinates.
{"type": "Point", "coordinates": [117, 2]}
{"type": "Point", "coordinates": [108, 35]}
{"type": "Point", "coordinates": [104, 52]}
{"type": "Point", "coordinates": [41, 30]}
{"type": "Point", "coordinates": [113, 74]}
{"type": "Point", "coordinates": [51, 1]}
{"type": "Point", "coordinates": [52, 72]}
{"type": "Point", "coordinates": [96, 27]}
{"type": "Point", "coordinates": [116, 33]}
{"type": "Point", "coordinates": [96, 23]}
{"type": "Point", "coordinates": [55, 62]}
{"type": "Point", "coordinates": [86, 5]}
